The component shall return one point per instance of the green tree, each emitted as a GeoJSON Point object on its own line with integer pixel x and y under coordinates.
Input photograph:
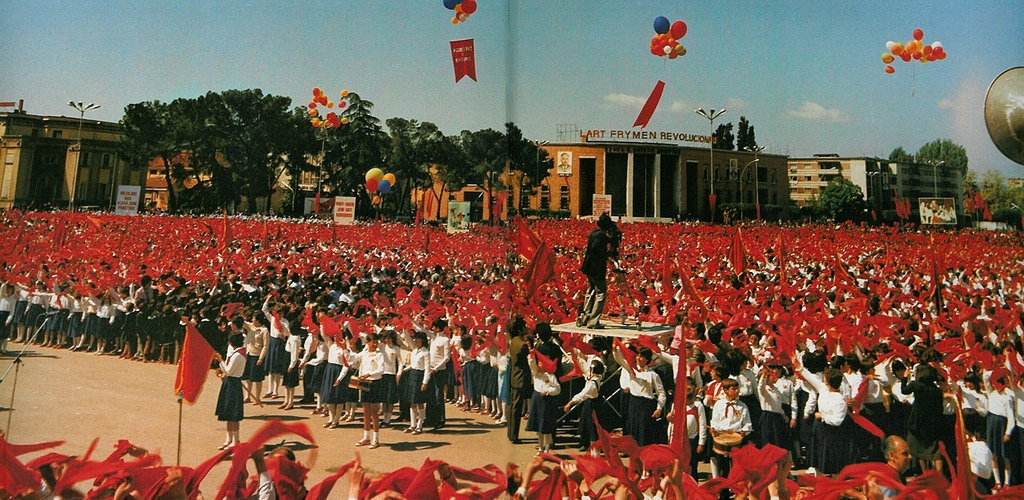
{"type": "Point", "coordinates": [486, 152]}
{"type": "Point", "coordinates": [745, 135]}
{"type": "Point", "coordinates": [724, 138]}
{"type": "Point", "coordinates": [528, 163]}
{"type": "Point", "coordinates": [945, 150]}
{"type": "Point", "coordinates": [413, 146]}
{"type": "Point", "coordinates": [354, 148]}
{"type": "Point", "coordinates": [901, 156]}
{"type": "Point", "coordinates": [147, 135]}
{"type": "Point", "coordinates": [841, 200]}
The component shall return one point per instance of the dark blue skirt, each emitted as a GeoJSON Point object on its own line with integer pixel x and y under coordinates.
{"type": "Point", "coordinates": [277, 358]}
{"type": "Point", "coordinates": [18, 316]}
{"type": "Point", "coordinates": [469, 379]}
{"type": "Point", "coordinates": [773, 428]}
{"type": "Point", "coordinates": [291, 377]}
{"type": "Point", "coordinates": [639, 422]}
{"type": "Point", "coordinates": [32, 315]}
{"type": "Point", "coordinates": [389, 388]}
{"type": "Point", "coordinates": [253, 372]}
{"type": "Point", "coordinates": [411, 382]}
{"type": "Point", "coordinates": [318, 376]}
{"type": "Point", "coordinates": [376, 392]}
{"type": "Point", "coordinates": [74, 328]}
{"type": "Point", "coordinates": [488, 377]}
{"type": "Point", "coordinates": [586, 427]}
{"type": "Point", "coordinates": [329, 394]}
{"type": "Point", "coordinates": [543, 414]}
{"type": "Point", "coordinates": [229, 401]}
{"type": "Point", "coordinates": [995, 429]}
{"type": "Point", "coordinates": [4, 328]}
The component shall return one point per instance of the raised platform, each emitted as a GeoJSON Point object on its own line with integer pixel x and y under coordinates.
{"type": "Point", "coordinates": [627, 331]}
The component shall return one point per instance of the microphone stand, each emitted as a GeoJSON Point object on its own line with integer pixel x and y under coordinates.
{"type": "Point", "coordinates": [16, 365]}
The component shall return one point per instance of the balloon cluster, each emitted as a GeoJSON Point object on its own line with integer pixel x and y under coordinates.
{"type": "Point", "coordinates": [462, 8]}
{"type": "Point", "coordinates": [915, 49]}
{"type": "Point", "coordinates": [378, 183]}
{"type": "Point", "coordinates": [331, 119]}
{"type": "Point", "coordinates": [665, 42]}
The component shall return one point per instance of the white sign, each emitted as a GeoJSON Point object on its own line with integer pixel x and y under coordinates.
{"type": "Point", "coordinates": [345, 210]}
{"type": "Point", "coordinates": [127, 200]}
{"type": "Point", "coordinates": [602, 204]}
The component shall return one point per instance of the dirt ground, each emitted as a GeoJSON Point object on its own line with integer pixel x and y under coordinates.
{"type": "Point", "coordinates": [78, 397]}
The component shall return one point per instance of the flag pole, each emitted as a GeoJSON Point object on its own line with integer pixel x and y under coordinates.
{"type": "Point", "coordinates": [181, 397]}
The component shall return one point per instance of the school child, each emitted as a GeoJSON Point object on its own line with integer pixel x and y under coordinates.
{"type": "Point", "coordinates": [586, 427]}
{"type": "Point", "coordinates": [230, 408]}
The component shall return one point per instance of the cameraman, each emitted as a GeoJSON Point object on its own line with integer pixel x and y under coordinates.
{"type": "Point", "coordinates": [602, 244]}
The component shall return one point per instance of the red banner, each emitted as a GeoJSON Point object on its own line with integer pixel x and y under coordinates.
{"type": "Point", "coordinates": [652, 103]}
{"type": "Point", "coordinates": [463, 59]}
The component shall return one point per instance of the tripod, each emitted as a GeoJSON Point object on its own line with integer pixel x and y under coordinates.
{"type": "Point", "coordinates": [16, 365]}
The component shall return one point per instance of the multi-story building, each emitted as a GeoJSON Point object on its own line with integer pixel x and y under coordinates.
{"type": "Point", "coordinates": [44, 156]}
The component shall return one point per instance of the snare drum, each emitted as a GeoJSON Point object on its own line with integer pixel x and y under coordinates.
{"type": "Point", "coordinates": [726, 441]}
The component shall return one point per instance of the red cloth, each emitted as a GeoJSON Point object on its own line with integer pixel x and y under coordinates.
{"type": "Point", "coordinates": [194, 365]}
{"type": "Point", "coordinates": [737, 253]}
{"type": "Point", "coordinates": [540, 270]}
{"type": "Point", "coordinates": [647, 111]}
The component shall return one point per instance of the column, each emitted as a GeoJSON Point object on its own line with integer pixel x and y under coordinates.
{"type": "Point", "coordinates": [629, 184]}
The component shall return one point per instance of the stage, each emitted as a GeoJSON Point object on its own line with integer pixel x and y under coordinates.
{"type": "Point", "coordinates": [627, 331]}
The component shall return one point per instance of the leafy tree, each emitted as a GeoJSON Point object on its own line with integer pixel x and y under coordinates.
{"type": "Point", "coordinates": [841, 200]}
{"type": "Point", "coordinates": [412, 150]}
{"type": "Point", "coordinates": [724, 138]}
{"type": "Point", "coordinates": [354, 148]}
{"type": "Point", "coordinates": [147, 135]}
{"type": "Point", "coordinates": [486, 154]}
{"type": "Point", "coordinates": [945, 150]}
{"type": "Point", "coordinates": [745, 135]}
{"type": "Point", "coordinates": [901, 156]}
{"type": "Point", "coordinates": [452, 168]}
{"type": "Point", "coordinates": [526, 160]}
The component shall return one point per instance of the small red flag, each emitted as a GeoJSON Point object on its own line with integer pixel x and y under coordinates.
{"type": "Point", "coordinates": [463, 59]}
{"type": "Point", "coordinates": [737, 254]}
{"type": "Point", "coordinates": [525, 240]}
{"type": "Point", "coordinates": [540, 270]}
{"type": "Point", "coordinates": [652, 103]}
{"type": "Point", "coordinates": [194, 365]}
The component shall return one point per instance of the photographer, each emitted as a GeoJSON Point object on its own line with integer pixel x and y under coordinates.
{"type": "Point", "coordinates": [602, 244]}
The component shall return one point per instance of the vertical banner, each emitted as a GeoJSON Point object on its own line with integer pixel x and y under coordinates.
{"type": "Point", "coordinates": [652, 104]}
{"type": "Point", "coordinates": [463, 59]}
{"type": "Point", "coordinates": [458, 216]}
{"type": "Point", "coordinates": [602, 204]}
{"type": "Point", "coordinates": [127, 200]}
{"type": "Point", "coordinates": [345, 210]}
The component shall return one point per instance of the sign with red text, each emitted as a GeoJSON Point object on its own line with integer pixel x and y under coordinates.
{"type": "Point", "coordinates": [463, 59]}
{"type": "Point", "coordinates": [127, 200]}
{"type": "Point", "coordinates": [345, 210]}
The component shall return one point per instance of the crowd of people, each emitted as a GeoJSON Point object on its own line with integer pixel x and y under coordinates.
{"type": "Point", "coordinates": [807, 347]}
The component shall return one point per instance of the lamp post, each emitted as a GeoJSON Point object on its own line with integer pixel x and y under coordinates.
{"type": "Point", "coordinates": [711, 144]}
{"type": "Point", "coordinates": [935, 177]}
{"type": "Point", "coordinates": [82, 108]}
{"type": "Point", "coordinates": [536, 167]}
{"type": "Point", "coordinates": [757, 186]}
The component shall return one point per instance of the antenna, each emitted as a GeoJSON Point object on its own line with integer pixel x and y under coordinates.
{"type": "Point", "coordinates": [568, 132]}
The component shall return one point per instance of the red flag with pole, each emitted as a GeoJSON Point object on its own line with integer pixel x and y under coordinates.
{"type": "Point", "coordinates": [194, 365]}
{"type": "Point", "coordinates": [540, 270]}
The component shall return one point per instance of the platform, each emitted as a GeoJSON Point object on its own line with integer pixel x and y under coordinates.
{"type": "Point", "coordinates": [627, 331]}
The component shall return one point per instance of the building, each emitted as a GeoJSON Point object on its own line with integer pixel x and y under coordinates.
{"type": "Point", "coordinates": [44, 155]}
{"type": "Point", "coordinates": [879, 180]}
{"type": "Point", "coordinates": [656, 181]}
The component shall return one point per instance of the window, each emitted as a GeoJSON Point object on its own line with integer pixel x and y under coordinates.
{"type": "Point", "coordinates": [771, 174]}
{"type": "Point", "coordinates": [563, 197]}
{"type": "Point", "coordinates": [107, 160]}
{"type": "Point", "coordinates": [83, 158]}
{"type": "Point", "coordinates": [545, 197]}
{"type": "Point", "coordinates": [57, 134]}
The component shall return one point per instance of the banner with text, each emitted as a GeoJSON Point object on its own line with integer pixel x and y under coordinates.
{"type": "Point", "coordinates": [127, 200]}
{"type": "Point", "coordinates": [463, 59]}
{"type": "Point", "coordinates": [602, 204]}
{"type": "Point", "coordinates": [345, 210]}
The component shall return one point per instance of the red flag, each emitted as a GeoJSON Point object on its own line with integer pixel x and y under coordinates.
{"type": "Point", "coordinates": [692, 292]}
{"type": "Point", "coordinates": [316, 202]}
{"type": "Point", "coordinates": [545, 363]}
{"type": "Point", "coordinates": [193, 366]}
{"type": "Point", "coordinates": [737, 254]}
{"type": "Point", "coordinates": [428, 204]}
{"type": "Point", "coordinates": [226, 236]}
{"type": "Point", "coordinates": [713, 200]}
{"type": "Point", "coordinates": [666, 276]}
{"type": "Point", "coordinates": [463, 59]}
{"type": "Point", "coordinates": [525, 240]}
{"type": "Point", "coordinates": [496, 209]}
{"type": "Point", "coordinates": [540, 270]}
{"type": "Point", "coordinates": [652, 103]}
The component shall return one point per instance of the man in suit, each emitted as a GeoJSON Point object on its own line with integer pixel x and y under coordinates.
{"type": "Point", "coordinates": [520, 385]}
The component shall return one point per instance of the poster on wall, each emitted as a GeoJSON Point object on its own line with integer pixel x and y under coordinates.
{"type": "Point", "coordinates": [127, 200]}
{"type": "Point", "coordinates": [344, 210]}
{"type": "Point", "coordinates": [602, 204]}
{"type": "Point", "coordinates": [458, 216]}
{"type": "Point", "coordinates": [564, 164]}
{"type": "Point", "coordinates": [937, 210]}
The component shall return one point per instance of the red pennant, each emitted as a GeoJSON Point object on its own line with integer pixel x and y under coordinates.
{"type": "Point", "coordinates": [652, 103]}
{"type": "Point", "coordinates": [463, 59]}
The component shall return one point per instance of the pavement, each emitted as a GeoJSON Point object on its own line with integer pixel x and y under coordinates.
{"type": "Point", "coordinates": [77, 397]}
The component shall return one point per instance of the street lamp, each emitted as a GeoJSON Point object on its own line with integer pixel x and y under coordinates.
{"type": "Point", "coordinates": [757, 191]}
{"type": "Point", "coordinates": [536, 167]}
{"type": "Point", "coordinates": [935, 177]}
{"type": "Point", "coordinates": [711, 144]}
{"type": "Point", "coordinates": [82, 108]}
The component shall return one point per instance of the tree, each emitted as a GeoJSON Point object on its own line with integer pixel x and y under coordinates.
{"type": "Point", "coordinates": [355, 147]}
{"type": "Point", "coordinates": [841, 200]}
{"type": "Point", "coordinates": [485, 150]}
{"type": "Point", "coordinates": [945, 150]}
{"type": "Point", "coordinates": [724, 138]}
{"type": "Point", "coordinates": [413, 148]}
{"type": "Point", "coordinates": [900, 155]}
{"type": "Point", "coordinates": [527, 161]}
{"type": "Point", "coordinates": [147, 135]}
{"type": "Point", "coordinates": [745, 135]}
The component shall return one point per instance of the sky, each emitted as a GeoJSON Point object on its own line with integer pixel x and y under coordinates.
{"type": "Point", "coordinates": [807, 75]}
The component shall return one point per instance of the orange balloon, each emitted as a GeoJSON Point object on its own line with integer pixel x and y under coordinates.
{"type": "Point", "coordinates": [897, 49]}
{"type": "Point", "coordinates": [376, 200]}
{"type": "Point", "coordinates": [890, 69]}
{"type": "Point", "coordinates": [390, 178]}
{"type": "Point", "coordinates": [887, 58]}
{"type": "Point", "coordinates": [313, 112]}
{"type": "Point", "coordinates": [316, 122]}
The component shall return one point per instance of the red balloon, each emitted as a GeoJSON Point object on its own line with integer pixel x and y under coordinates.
{"type": "Point", "coordinates": [905, 56]}
{"type": "Point", "coordinates": [468, 6]}
{"type": "Point", "coordinates": [316, 91]}
{"type": "Point", "coordinates": [890, 69]}
{"type": "Point", "coordinates": [312, 105]}
{"type": "Point", "coordinates": [678, 30]}
{"type": "Point", "coordinates": [918, 34]}
{"type": "Point", "coordinates": [371, 184]}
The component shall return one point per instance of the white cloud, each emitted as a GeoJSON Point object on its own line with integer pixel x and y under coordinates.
{"type": "Point", "coordinates": [735, 104]}
{"type": "Point", "coordinates": [625, 100]}
{"type": "Point", "coordinates": [682, 106]}
{"type": "Point", "coordinates": [816, 112]}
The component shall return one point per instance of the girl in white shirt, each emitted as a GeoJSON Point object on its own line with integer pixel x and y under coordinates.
{"type": "Point", "coordinates": [371, 369]}
{"type": "Point", "coordinates": [230, 408]}
{"type": "Point", "coordinates": [414, 378]}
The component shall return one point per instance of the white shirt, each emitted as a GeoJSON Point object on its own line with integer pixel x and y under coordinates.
{"type": "Point", "coordinates": [543, 382]}
{"type": "Point", "coordinates": [440, 352]}
{"type": "Point", "coordinates": [981, 459]}
{"type": "Point", "coordinates": [590, 391]}
{"type": "Point", "coordinates": [831, 405]}
{"type": "Point", "coordinates": [731, 416]}
{"type": "Point", "coordinates": [234, 363]}
{"type": "Point", "coordinates": [647, 384]}
{"type": "Point", "coordinates": [419, 359]}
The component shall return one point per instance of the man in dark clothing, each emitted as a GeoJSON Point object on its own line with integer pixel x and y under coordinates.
{"type": "Point", "coordinates": [520, 384]}
{"type": "Point", "coordinates": [602, 244]}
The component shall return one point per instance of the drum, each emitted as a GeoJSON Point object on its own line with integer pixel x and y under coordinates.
{"type": "Point", "coordinates": [726, 441]}
{"type": "Point", "coordinates": [358, 385]}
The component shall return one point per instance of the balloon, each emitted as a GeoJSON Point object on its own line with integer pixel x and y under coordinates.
{"type": "Point", "coordinates": [342, 104]}
{"type": "Point", "coordinates": [667, 50]}
{"type": "Point", "coordinates": [889, 45]}
{"type": "Point", "coordinates": [458, 9]}
{"type": "Point", "coordinates": [661, 24]}
{"type": "Point", "coordinates": [313, 112]}
{"type": "Point", "coordinates": [344, 119]}
{"type": "Point", "coordinates": [312, 105]}
{"type": "Point", "coordinates": [450, 4]}
{"type": "Point", "coordinates": [890, 69]}
{"type": "Point", "coordinates": [316, 91]}
{"type": "Point", "coordinates": [469, 6]}
{"type": "Point", "coordinates": [330, 104]}
{"type": "Point", "coordinates": [916, 55]}
{"type": "Point", "coordinates": [374, 173]}
{"type": "Point", "coordinates": [918, 34]}
{"type": "Point", "coordinates": [384, 186]}
{"type": "Point", "coordinates": [376, 200]}
{"type": "Point", "coordinates": [942, 55]}
{"type": "Point", "coordinates": [462, 18]}
{"type": "Point", "coordinates": [888, 58]}
{"type": "Point", "coordinates": [372, 185]}
{"type": "Point", "coordinates": [316, 122]}
{"type": "Point", "coordinates": [936, 45]}
{"type": "Point", "coordinates": [897, 49]}
{"type": "Point", "coordinates": [905, 56]}
{"type": "Point", "coordinates": [678, 30]}
{"type": "Point", "coordinates": [391, 177]}
{"type": "Point", "coordinates": [927, 50]}
{"type": "Point", "coordinates": [656, 50]}
{"type": "Point", "coordinates": [455, 20]}
{"type": "Point", "coordinates": [344, 93]}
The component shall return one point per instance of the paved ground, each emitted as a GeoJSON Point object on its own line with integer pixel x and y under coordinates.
{"type": "Point", "coordinates": [77, 397]}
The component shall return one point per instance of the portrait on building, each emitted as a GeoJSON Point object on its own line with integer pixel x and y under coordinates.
{"type": "Point", "coordinates": [564, 164]}
{"type": "Point", "coordinates": [458, 216]}
{"type": "Point", "coordinates": [937, 210]}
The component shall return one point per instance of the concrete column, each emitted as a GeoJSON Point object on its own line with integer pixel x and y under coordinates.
{"type": "Point", "coordinates": [656, 184]}
{"type": "Point", "coordinates": [629, 184]}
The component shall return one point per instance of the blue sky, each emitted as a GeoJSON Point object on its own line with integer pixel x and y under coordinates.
{"type": "Point", "coordinates": [807, 75]}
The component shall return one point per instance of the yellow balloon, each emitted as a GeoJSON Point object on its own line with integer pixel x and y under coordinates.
{"type": "Point", "coordinates": [330, 104]}
{"type": "Point", "coordinates": [375, 173]}
{"type": "Point", "coordinates": [313, 112]}
{"type": "Point", "coordinates": [887, 58]}
{"type": "Point", "coordinates": [344, 93]}
{"type": "Point", "coordinates": [390, 178]}
{"type": "Point", "coordinates": [344, 119]}
{"type": "Point", "coordinates": [316, 122]}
